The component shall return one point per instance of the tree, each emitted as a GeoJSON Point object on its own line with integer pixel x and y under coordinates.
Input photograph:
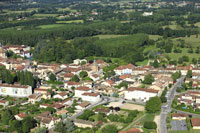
{"type": "Point", "coordinates": [148, 79]}
{"type": "Point", "coordinates": [41, 130]}
{"type": "Point", "coordinates": [155, 63]}
{"type": "Point", "coordinates": [6, 116]}
{"type": "Point", "coordinates": [189, 74]}
{"type": "Point", "coordinates": [83, 74]}
{"type": "Point", "coordinates": [150, 125]}
{"type": "Point", "coordinates": [194, 61]}
{"type": "Point", "coordinates": [75, 78]}
{"type": "Point", "coordinates": [86, 114]}
{"type": "Point", "coordinates": [66, 127]}
{"type": "Point", "coordinates": [153, 105]}
{"type": "Point", "coordinates": [109, 129]}
{"type": "Point", "coordinates": [163, 99]}
{"type": "Point", "coordinates": [28, 123]}
{"type": "Point", "coordinates": [176, 75]}
{"type": "Point", "coordinates": [52, 77]}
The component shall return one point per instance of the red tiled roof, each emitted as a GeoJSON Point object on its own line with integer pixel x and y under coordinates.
{"type": "Point", "coordinates": [142, 89]}
{"type": "Point", "coordinates": [91, 94]}
{"type": "Point", "coordinates": [195, 121]}
{"type": "Point", "coordinates": [83, 88]}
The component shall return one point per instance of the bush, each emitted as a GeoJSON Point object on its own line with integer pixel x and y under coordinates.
{"type": "Point", "coordinates": [150, 125]}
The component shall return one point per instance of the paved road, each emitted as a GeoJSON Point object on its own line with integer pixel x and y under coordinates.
{"type": "Point", "coordinates": [195, 115]}
{"type": "Point", "coordinates": [165, 109]}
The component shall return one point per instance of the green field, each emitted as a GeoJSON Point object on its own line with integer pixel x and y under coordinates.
{"type": "Point", "coordinates": [50, 26]}
{"type": "Point", "coordinates": [184, 52]}
{"type": "Point", "coordinates": [154, 37]}
{"type": "Point", "coordinates": [69, 22]}
{"type": "Point", "coordinates": [109, 36]}
{"type": "Point", "coordinates": [192, 40]}
{"type": "Point", "coordinates": [45, 15]}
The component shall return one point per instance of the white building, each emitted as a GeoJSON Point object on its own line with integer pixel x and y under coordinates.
{"type": "Point", "coordinates": [124, 69]}
{"type": "Point", "coordinates": [142, 94]}
{"type": "Point", "coordinates": [15, 90]}
{"type": "Point", "coordinates": [147, 13]}
{"type": "Point", "coordinates": [80, 90]}
{"type": "Point", "coordinates": [78, 61]}
{"type": "Point", "coordinates": [62, 95]}
{"type": "Point", "coordinates": [91, 97]}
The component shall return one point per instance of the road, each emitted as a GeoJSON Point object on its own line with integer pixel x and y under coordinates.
{"type": "Point", "coordinates": [165, 109]}
{"type": "Point", "coordinates": [188, 113]}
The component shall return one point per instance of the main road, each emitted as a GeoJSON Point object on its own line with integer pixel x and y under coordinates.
{"type": "Point", "coordinates": [165, 109]}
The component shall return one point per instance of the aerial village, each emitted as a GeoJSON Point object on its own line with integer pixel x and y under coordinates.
{"type": "Point", "coordinates": [68, 91]}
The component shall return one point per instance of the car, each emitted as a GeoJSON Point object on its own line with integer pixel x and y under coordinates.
{"type": "Point", "coordinates": [123, 102]}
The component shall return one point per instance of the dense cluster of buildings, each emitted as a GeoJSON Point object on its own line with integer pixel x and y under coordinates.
{"type": "Point", "coordinates": [88, 92]}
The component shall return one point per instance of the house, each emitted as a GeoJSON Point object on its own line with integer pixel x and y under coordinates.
{"type": "Point", "coordinates": [91, 97]}
{"type": "Point", "coordinates": [103, 110]}
{"type": "Point", "coordinates": [4, 102]}
{"type": "Point", "coordinates": [67, 102]}
{"type": "Point", "coordinates": [80, 90]}
{"type": "Point", "coordinates": [142, 94]}
{"type": "Point", "coordinates": [49, 122]}
{"type": "Point", "coordinates": [40, 91]}
{"type": "Point", "coordinates": [44, 105]}
{"type": "Point", "coordinates": [20, 116]}
{"type": "Point", "coordinates": [124, 69]}
{"type": "Point", "coordinates": [82, 105]}
{"type": "Point", "coordinates": [132, 130]}
{"type": "Point", "coordinates": [108, 83]}
{"type": "Point", "coordinates": [179, 116]}
{"type": "Point", "coordinates": [78, 61]}
{"type": "Point", "coordinates": [70, 84]}
{"type": "Point", "coordinates": [84, 124]}
{"type": "Point", "coordinates": [195, 123]}
{"type": "Point", "coordinates": [15, 90]}
{"type": "Point", "coordinates": [147, 13]}
{"type": "Point", "coordinates": [62, 112]}
{"type": "Point", "coordinates": [57, 106]}
{"type": "Point", "coordinates": [62, 95]}
{"type": "Point", "coordinates": [95, 77]}
{"type": "Point", "coordinates": [34, 98]}
{"type": "Point", "coordinates": [68, 76]}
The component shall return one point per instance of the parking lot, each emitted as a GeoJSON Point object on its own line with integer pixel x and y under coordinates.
{"type": "Point", "coordinates": [178, 125]}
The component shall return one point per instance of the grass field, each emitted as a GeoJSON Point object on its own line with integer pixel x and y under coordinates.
{"type": "Point", "coordinates": [192, 40]}
{"type": "Point", "coordinates": [45, 15]}
{"type": "Point", "coordinates": [50, 26]}
{"type": "Point", "coordinates": [28, 10]}
{"type": "Point", "coordinates": [68, 22]}
{"type": "Point", "coordinates": [108, 36]}
{"type": "Point", "coordinates": [184, 52]}
{"type": "Point", "coordinates": [154, 37]}
{"type": "Point", "coordinates": [143, 63]}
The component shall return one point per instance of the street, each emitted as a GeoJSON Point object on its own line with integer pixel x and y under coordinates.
{"type": "Point", "coordinates": [165, 109]}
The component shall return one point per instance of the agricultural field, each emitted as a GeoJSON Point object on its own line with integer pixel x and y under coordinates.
{"type": "Point", "coordinates": [109, 36]}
